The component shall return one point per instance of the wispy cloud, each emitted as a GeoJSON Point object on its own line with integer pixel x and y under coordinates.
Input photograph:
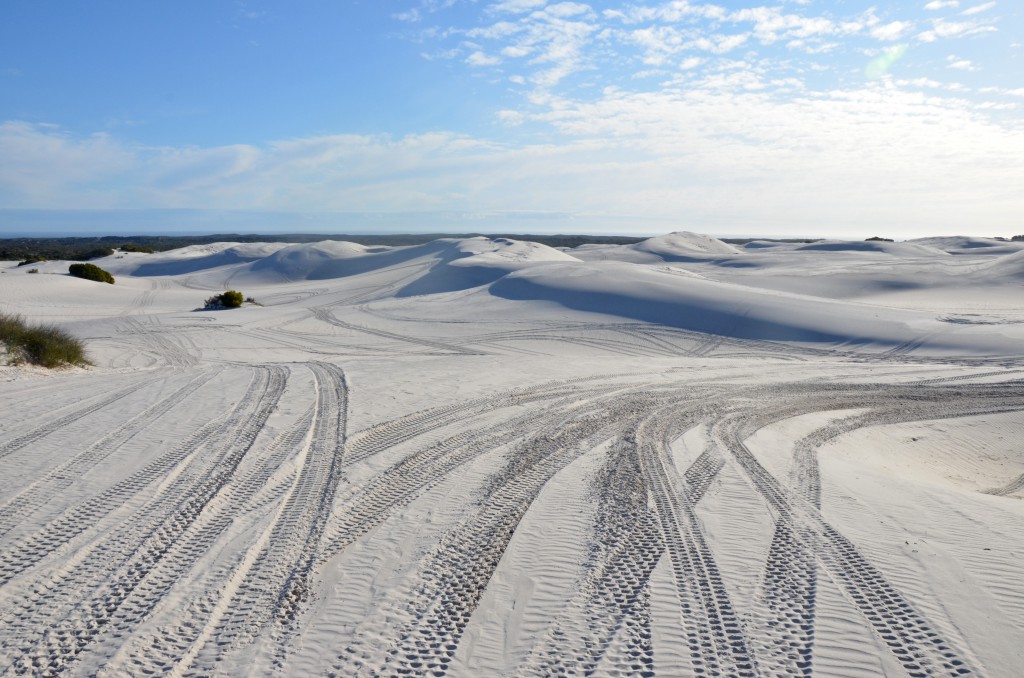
{"type": "Point", "coordinates": [959, 64]}
{"type": "Point", "coordinates": [978, 9]}
{"type": "Point", "coordinates": [543, 43]}
{"type": "Point", "coordinates": [42, 161]}
{"type": "Point", "coordinates": [479, 58]}
{"type": "Point", "coordinates": [942, 28]}
{"type": "Point", "coordinates": [549, 38]}
{"type": "Point", "coordinates": [891, 31]}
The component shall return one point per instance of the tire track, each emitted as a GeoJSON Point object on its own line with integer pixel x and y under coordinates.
{"type": "Point", "coordinates": [25, 439]}
{"type": "Point", "coordinates": [323, 314]}
{"type": "Point", "coordinates": [715, 636]}
{"type": "Point", "coordinates": [156, 652]}
{"type": "Point", "coordinates": [789, 583]}
{"type": "Point", "coordinates": [157, 342]}
{"type": "Point", "coordinates": [109, 593]}
{"type": "Point", "coordinates": [264, 589]}
{"type": "Point", "coordinates": [44, 632]}
{"type": "Point", "coordinates": [38, 493]}
{"type": "Point", "coordinates": [613, 596]}
{"type": "Point", "coordinates": [82, 517]}
{"type": "Point", "coordinates": [1013, 486]}
{"type": "Point", "coordinates": [458, 569]}
{"type": "Point", "coordinates": [912, 640]}
{"type": "Point", "coordinates": [383, 436]}
{"type": "Point", "coordinates": [290, 297]}
{"type": "Point", "coordinates": [616, 346]}
{"type": "Point", "coordinates": [370, 504]}
{"type": "Point", "coordinates": [271, 588]}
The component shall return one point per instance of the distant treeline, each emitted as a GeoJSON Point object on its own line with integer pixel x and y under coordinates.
{"type": "Point", "coordinates": [83, 249]}
{"type": "Point", "coordinates": [31, 250]}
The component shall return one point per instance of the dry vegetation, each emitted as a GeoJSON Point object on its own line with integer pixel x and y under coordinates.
{"type": "Point", "coordinates": [44, 345]}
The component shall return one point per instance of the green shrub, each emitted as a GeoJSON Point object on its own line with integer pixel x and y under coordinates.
{"type": "Point", "coordinates": [31, 260]}
{"type": "Point", "coordinates": [128, 247]}
{"type": "Point", "coordinates": [90, 272]}
{"type": "Point", "coordinates": [229, 299]}
{"type": "Point", "coordinates": [43, 345]}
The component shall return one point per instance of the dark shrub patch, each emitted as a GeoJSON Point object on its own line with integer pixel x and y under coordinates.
{"type": "Point", "coordinates": [90, 272]}
{"type": "Point", "coordinates": [93, 254]}
{"type": "Point", "coordinates": [128, 247]}
{"type": "Point", "coordinates": [229, 299]}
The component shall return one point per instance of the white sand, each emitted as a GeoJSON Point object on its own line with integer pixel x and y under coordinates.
{"type": "Point", "coordinates": [490, 457]}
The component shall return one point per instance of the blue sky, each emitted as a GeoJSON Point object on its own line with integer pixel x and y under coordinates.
{"type": "Point", "coordinates": [826, 118]}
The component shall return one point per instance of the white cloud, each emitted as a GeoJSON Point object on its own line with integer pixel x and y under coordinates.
{"type": "Point", "coordinates": [921, 82]}
{"type": "Point", "coordinates": [567, 9]}
{"type": "Point", "coordinates": [517, 51]}
{"type": "Point", "coordinates": [978, 9]}
{"type": "Point", "coordinates": [411, 16]}
{"type": "Point", "coordinates": [516, 6]}
{"type": "Point", "coordinates": [771, 24]}
{"type": "Point", "coordinates": [545, 42]}
{"type": "Point", "coordinates": [718, 43]}
{"type": "Point", "coordinates": [813, 47]}
{"type": "Point", "coordinates": [891, 31]}
{"type": "Point", "coordinates": [554, 36]}
{"type": "Point", "coordinates": [959, 64]}
{"type": "Point", "coordinates": [1019, 92]}
{"type": "Point", "coordinates": [658, 42]}
{"type": "Point", "coordinates": [670, 12]}
{"type": "Point", "coordinates": [954, 29]}
{"type": "Point", "coordinates": [42, 161]}
{"type": "Point", "coordinates": [510, 117]}
{"type": "Point", "coordinates": [865, 151]}
{"type": "Point", "coordinates": [936, 5]}
{"type": "Point", "coordinates": [479, 58]}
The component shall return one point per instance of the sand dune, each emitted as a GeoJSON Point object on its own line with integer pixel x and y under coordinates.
{"type": "Point", "coordinates": [971, 246]}
{"type": "Point", "coordinates": [681, 246]}
{"type": "Point", "coordinates": [490, 457]}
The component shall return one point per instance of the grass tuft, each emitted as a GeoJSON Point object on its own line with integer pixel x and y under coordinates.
{"type": "Point", "coordinates": [44, 345]}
